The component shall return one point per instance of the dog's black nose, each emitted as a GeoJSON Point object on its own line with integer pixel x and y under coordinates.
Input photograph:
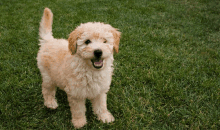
{"type": "Point", "coordinates": [98, 53]}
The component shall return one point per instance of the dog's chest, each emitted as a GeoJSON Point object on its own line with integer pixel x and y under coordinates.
{"type": "Point", "coordinates": [89, 84]}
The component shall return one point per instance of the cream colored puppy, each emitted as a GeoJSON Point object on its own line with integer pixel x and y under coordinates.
{"type": "Point", "coordinates": [82, 66]}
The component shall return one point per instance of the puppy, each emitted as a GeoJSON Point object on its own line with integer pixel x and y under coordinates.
{"type": "Point", "coordinates": [82, 66]}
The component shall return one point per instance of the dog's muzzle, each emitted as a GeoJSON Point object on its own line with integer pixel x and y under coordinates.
{"type": "Point", "coordinates": [97, 62]}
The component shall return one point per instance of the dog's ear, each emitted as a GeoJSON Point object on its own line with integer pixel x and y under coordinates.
{"type": "Point", "coordinates": [117, 36]}
{"type": "Point", "coordinates": [73, 39]}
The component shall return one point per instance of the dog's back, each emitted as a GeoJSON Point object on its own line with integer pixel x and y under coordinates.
{"type": "Point", "coordinates": [52, 51]}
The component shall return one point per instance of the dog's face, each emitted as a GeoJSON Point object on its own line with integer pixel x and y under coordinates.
{"type": "Point", "coordinates": [94, 42]}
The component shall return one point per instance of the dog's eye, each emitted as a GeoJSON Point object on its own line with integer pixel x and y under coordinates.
{"type": "Point", "coordinates": [87, 41]}
{"type": "Point", "coordinates": [105, 41]}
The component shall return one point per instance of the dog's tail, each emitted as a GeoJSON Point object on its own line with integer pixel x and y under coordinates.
{"type": "Point", "coordinates": [45, 30]}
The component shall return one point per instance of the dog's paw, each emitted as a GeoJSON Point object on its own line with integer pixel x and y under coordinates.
{"type": "Point", "coordinates": [106, 117]}
{"type": "Point", "coordinates": [52, 104]}
{"type": "Point", "coordinates": [79, 123]}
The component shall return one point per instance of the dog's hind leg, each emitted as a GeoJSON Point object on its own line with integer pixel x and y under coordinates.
{"type": "Point", "coordinates": [49, 91]}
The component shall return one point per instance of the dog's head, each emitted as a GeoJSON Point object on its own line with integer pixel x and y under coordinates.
{"type": "Point", "coordinates": [94, 42]}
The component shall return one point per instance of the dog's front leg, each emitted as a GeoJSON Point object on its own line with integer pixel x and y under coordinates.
{"type": "Point", "coordinates": [100, 108]}
{"type": "Point", "coordinates": [78, 109]}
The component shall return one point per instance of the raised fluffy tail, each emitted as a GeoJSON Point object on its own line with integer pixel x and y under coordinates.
{"type": "Point", "coordinates": [45, 30]}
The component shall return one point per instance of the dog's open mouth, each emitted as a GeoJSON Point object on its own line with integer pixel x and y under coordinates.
{"type": "Point", "coordinates": [97, 63]}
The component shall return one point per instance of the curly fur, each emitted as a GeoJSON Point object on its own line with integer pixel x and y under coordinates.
{"type": "Point", "coordinates": [69, 65]}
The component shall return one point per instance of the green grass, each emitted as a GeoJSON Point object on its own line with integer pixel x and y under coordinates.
{"type": "Point", "coordinates": [167, 72]}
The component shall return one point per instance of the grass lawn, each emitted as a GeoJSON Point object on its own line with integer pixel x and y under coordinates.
{"type": "Point", "coordinates": [167, 72]}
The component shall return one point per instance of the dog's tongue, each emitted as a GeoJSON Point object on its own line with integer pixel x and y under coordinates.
{"type": "Point", "coordinates": [98, 63]}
